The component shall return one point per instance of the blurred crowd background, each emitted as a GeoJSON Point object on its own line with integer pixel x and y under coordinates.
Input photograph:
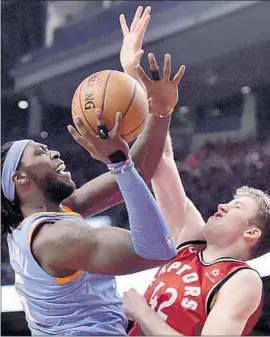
{"type": "Point", "coordinates": [220, 127]}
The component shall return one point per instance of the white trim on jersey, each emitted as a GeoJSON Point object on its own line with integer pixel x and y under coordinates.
{"type": "Point", "coordinates": [222, 259]}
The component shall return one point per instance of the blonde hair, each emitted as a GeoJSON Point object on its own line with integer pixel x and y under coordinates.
{"type": "Point", "coordinates": [262, 219]}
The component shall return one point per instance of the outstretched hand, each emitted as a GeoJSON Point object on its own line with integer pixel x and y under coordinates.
{"type": "Point", "coordinates": [131, 52]}
{"type": "Point", "coordinates": [162, 91]}
{"type": "Point", "coordinates": [100, 149]}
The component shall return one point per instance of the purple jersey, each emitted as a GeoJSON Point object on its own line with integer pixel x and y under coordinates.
{"type": "Point", "coordinates": [80, 304]}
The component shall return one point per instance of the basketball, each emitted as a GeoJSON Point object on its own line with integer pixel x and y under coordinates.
{"type": "Point", "coordinates": [111, 91]}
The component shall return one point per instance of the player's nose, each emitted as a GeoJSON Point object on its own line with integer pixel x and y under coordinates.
{"type": "Point", "coordinates": [54, 154]}
{"type": "Point", "coordinates": [223, 208]}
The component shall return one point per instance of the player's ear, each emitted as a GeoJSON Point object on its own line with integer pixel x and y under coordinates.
{"type": "Point", "coordinates": [19, 177]}
{"type": "Point", "coordinates": [252, 235]}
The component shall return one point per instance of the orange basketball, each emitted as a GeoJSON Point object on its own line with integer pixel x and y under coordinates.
{"type": "Point", "coordinates": [111, 91]}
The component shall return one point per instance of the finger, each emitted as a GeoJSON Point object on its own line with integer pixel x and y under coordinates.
{"type": "Point", "coordinates": [76, 136]}
{"type": "Point", "coordinates": [80, 126]}
{"type": "Point", "coordinates": [138, 56]}
{"type": "Point", "coordinates": [123, 25]}
{"type": "Point", "coordinates": [99, 117]}
{"type": "Point", "coordinates": [152, 62]}
{"type": "Point", "coordinates": [177, 78]}
{"type": "Point", "coordinates": [154, 67]}
{"type": "Point", "coordinates": [142, 23]}
{"type": "Point", "coordinates": [118, 124]}
{"type": "Point", "coordinates": [156, 75]}
{"type": "Point", "coordinates": [167, 67]}
{"type": "Point", "coordinates": [147, 11]}
{"type": "Point", "coordinates": [103, 132]}
{"type": "Point", "coordinates": [142, 75]}
{"type": "Point", "coordinates": [136, 18]}
{"type": "Point", "coordinates": [141, 27]}
{"type": "Point", "coordinates": [80, 140]}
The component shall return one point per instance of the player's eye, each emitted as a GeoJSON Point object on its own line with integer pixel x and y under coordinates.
{"type": "Point", "coordinates": [237, 206]}
{"type": "Point", "coordinates": [42, 151]}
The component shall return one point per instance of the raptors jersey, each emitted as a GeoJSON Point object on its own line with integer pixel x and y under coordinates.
{"type": "Point", "coordinates": [184, 290]}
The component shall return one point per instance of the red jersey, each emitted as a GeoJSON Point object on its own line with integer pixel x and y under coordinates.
{"type": "Point", "coordinates": [184, 290]}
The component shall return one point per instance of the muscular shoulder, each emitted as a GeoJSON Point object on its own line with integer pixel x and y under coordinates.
{"type": "Point", "coordinates": [247, 279]}
{"type": "Point", "coordinates": [52, 241]}
{"type": "Point", "coordinates": [237, 307]}
{"type": "Point", "coordinates": [244, 290]}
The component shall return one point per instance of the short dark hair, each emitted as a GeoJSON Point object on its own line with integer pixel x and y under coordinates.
{"type": "Point", "coordinates": [11, 214]}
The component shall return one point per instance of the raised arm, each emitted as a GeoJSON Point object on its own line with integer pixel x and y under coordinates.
{"type": "Point", "coordinates": [65, 247]}
{"type": "Point", "coordinates": [109, 250]}
{"type": "Point", "coordinates": [102, 192]}
{"type": "Point", "coordinates": [184, 220]}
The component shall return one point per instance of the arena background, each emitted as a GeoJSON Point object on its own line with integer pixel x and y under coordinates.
{"type": "Point", "coordinates": [220, 127]}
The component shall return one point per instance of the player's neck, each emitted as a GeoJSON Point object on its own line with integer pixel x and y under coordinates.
{"type": "Point", "coordinates": [36, 206]}
{"type": "Point", "coordinates": [214, 252]}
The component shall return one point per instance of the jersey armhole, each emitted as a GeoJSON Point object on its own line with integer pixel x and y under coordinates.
{"type": "Point", "coordinates": [130, 326]}
{"type": "Point", "coordinates": [66, 209]}
{"type": "Point", "coordinates": [33, 233]}
{"type": "Point", "coordinates": [191, 242]}
{"type": "Point", "coordinates": [31, 236]}
{"type": "Point", "coordinates": [35, 230]}
{"type": "Point", "coordinates": [214, 291]}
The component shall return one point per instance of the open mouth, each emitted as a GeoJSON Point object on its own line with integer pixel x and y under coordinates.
{"type": "Point", "coordinates": [218, 215]}
{"type": "Point", "coordinates": [60, 169]}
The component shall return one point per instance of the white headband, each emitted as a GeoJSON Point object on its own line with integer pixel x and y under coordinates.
{"type": "Point", "coordinates": [10, 166]}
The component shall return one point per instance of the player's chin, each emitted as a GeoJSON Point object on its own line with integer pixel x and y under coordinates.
{"type": "Point", "coordinates": [66, 179]}
{"type": "Point", "coordinates": [211, 220]}
{"type": "Point", "coordinates": [68, 187]}
{"type": "Point", "coordinates": [215, 221]}
{"type": "Point", "coordinates": [71, 184]}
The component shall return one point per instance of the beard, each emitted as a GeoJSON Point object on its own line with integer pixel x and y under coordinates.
{"type": "Point", "coordinates": [55, 190]}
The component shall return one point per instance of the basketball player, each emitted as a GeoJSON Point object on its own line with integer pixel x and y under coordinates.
{"type": "Point", "coordinates": [208, 289]}
{"type": "Point", "coordinates": [63, 267]}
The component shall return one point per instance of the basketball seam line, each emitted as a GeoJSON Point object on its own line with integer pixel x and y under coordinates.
{"type": "Point", "coordinates": [83, 110]}
{"type": "Point", "coordinates": [105, 90]}
{"type": "Point", "coordinates": [126, 134]}
{"type": "Point", "coordinates": [134, 92]}
{"type": "Point", "coordinates": [132, 98]}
